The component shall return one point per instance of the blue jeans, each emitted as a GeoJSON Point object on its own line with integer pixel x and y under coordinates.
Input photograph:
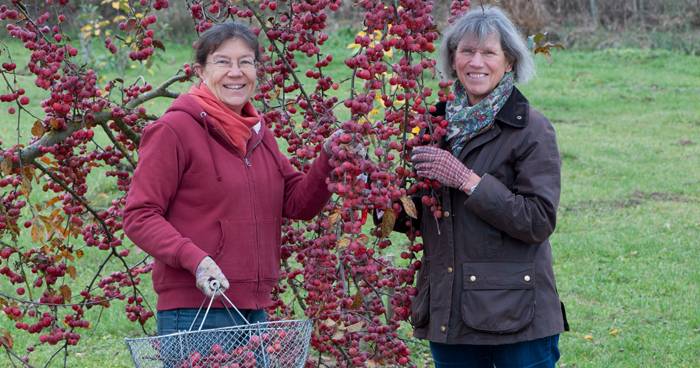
{"type": "Point", "coordinates": [540, 353]}
{"type": "Point", "coordinates": [173, 350]}
{"type": "Point", "coordinates": [177, 320]}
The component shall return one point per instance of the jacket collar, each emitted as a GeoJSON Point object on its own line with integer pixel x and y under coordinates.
{"type": "Point", "coordinates": [515, 111]}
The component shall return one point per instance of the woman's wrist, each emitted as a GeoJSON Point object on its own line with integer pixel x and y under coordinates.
{"type": "Point", "coordinates": [469, 185]}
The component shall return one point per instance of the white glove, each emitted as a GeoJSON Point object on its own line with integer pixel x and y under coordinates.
{"type": "Point", "coordinates": [343, 139]}
{"type": "Point", "coordinates": [208, 270]}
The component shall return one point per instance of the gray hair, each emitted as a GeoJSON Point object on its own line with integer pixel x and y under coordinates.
{"type": "Point", "coordinates": [481, 24]}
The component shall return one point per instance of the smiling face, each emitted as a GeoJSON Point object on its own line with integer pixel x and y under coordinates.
{"type": "Point", "coordinates": [480, 65]}
{"type": "Point", "coordinates": [230, 73]}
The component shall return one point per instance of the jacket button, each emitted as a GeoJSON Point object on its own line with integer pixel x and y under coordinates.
{"type": "Point", "coordinates": [472, 278]}
{"type": "Point", "coordinates": [526, 278]}
{"type": "Point", "coordinates": [519, 117]}
{"type": "Point", "coordinates": [443, 328]}
{"type": "Point", "coordinates": [449, 269]}
{"type": "Point", "coordinates": [446, 213]}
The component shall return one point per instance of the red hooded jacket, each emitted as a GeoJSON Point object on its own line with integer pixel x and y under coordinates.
{"type": "Point", "coordinates": [193, 195]}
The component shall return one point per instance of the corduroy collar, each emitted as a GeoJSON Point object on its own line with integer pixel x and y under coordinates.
{"type": "Point", "coordinates": [515, 111]}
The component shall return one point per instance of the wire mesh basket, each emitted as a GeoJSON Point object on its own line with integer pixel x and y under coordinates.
{"type": "Point", "coordinates": [261, 345]}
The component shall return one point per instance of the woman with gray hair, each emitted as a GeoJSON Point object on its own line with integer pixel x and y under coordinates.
{"type": "Point", "coordinates": [486, 292]}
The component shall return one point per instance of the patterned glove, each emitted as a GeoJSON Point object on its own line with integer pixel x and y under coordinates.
{"type": "Point", "coordinates": [341, 139]}
{"type": "Point", "coordinates": [208, 270]}
{"type": "Point", "coordinates": [438, 164]}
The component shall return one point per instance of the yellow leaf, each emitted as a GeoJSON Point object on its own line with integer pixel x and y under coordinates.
{"type": "Point", "coordinates": [409, 207]}
{"type": "Point", "coordinates": [329, 323]}
{"type": "Point", "coordinates": [37, 232]}
{"type": "Point", "coordinates": [52, 201]}
{"type": "Point", "coordinates": [388, 221]}
{"type": "Point", "coordinates": [356, 327]}
{"type": "Point", "coordinates": [334, 217]}
{"type": "Point", "coordinates": [343, 243]}
{"type": "Point", "coordinates": [338, 335]}
{"type": "Point", "coordinates": [588, 337]}
{"type": "Point", "coordinates": [115, 5]}
{"type": "Point", "coordinates": [86, 28]}
{"type": "Point", "coordinates": [614, 331]}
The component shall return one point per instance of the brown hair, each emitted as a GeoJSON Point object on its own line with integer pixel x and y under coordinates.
{"type": "Point", "coordinates": [211, 39]}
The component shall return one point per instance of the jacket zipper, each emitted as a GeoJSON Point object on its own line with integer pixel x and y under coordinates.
{"type": "Point", "coordinates": [251, 190]}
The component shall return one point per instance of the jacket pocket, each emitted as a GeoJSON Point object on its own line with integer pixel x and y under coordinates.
{"type": "Point", "coordinates": [236, 253]}
{"type": "Point", "coordinates": [420, 304]}
{"type": "Point", "coordinates": [269, 248]}
{"type": "Point", "coordinates": [498, 297]}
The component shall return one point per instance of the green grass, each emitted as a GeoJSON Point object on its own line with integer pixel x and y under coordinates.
{"type": "Point", "coordinates": [626, 246]}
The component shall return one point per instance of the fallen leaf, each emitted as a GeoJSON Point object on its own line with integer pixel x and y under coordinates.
{"type": "Point", "coordinates": [588, 337]}
{"type": "Point", "coordinates": [614, 331]}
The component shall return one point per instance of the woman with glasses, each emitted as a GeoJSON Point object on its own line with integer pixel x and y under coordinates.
{"type": "Point", "coordinates": [212, 187]}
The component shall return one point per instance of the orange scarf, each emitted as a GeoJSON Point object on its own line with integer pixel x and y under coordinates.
{"type": "Point", "coordinates": [236, 127]}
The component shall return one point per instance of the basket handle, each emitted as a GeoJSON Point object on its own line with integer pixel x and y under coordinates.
{"type": "Point", "coordinates": [216, 286]}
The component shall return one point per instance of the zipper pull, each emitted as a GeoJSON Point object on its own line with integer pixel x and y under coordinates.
{"type": "Point", "coordinates": [247, 161]}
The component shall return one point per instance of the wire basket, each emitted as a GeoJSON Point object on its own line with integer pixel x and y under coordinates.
{"type": "Point", "coordinates": [271, 344]}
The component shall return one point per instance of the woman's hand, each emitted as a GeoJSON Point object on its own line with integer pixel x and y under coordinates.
{"type": "Point", "coordinates": [208, 270]}
{"type": "Point", "coordinates": [344, 140]}
{"type": "Point", "coordinates": [438, 164]}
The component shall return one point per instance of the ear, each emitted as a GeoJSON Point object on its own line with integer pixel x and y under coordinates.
{"type": "Point", "coordinates": [509, 67]}
{"type": "Point", "coordinates": [199, 70]}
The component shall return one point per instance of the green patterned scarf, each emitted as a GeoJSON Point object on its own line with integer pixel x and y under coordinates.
{"type": "Point", "coordinates": [466, 121]}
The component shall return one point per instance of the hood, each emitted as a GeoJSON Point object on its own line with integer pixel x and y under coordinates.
{"type": "Point", "coordinates": [189, 105]}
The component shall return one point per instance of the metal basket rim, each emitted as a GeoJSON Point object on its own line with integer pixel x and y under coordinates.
{"type": "Point", "coordinates": [251, 326]}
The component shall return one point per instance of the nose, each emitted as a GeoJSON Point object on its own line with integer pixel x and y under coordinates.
{"type": "Point", "coordinates": [476, 59]}
{"type": "Point", "coordinates": [234, 70]}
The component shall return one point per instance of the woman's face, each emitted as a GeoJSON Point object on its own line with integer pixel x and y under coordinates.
{"type": "Point", "coordinates": [230, 73]}
{"type": "Point", "coordinates": [480, 66]}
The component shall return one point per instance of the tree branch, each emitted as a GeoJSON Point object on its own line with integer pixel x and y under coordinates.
{"type": "Point", "coordinates": [33, 151]}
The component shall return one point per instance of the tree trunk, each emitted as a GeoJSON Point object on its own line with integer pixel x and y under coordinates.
{"type": "Point", "coordinates": [594, 12]}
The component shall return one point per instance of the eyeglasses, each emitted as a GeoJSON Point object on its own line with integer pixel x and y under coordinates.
{"type": "Point", "coordinates": [226, 64]}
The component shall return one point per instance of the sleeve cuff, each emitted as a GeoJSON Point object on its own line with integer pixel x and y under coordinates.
{"type": "Point", "coordinates": [190, 256]}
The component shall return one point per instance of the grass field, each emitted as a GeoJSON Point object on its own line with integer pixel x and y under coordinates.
{"type": "Point", "coordinates": [626, 249]}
